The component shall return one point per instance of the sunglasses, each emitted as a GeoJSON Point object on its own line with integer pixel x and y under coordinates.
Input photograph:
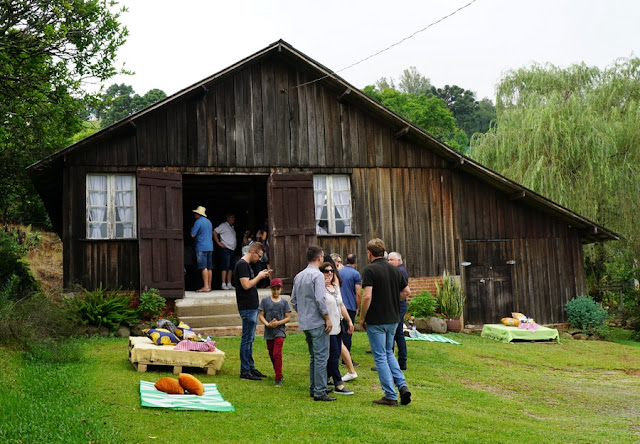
{"type": "Point", "coordinates": [328, 271]}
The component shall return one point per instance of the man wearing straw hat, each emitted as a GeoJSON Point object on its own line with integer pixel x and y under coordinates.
{"type": "Point", "coordinates": [202, 233]}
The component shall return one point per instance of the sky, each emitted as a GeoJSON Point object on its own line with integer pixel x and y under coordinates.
{"type": "Point", "coordinates": [174, 44]}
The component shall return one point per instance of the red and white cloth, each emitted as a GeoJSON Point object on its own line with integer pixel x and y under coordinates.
{"type": "Point", "coordinates": [208, 346]}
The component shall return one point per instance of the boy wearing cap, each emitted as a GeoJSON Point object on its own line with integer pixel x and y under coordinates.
{"type": "Point", "coordinates": [277, 310]}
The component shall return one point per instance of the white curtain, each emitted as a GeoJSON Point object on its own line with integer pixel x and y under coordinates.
{"type": "Point", "coordinates": [97, 206]}
{"type": "Point", "coordinates": [320, 201]}
{"type": "Point", "coordinates": [342, 200]}
{"type": "Point", "coordinates": [124, 203]}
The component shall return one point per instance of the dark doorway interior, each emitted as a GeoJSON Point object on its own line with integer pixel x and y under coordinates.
{"type": "Point", "coordinates": [243, 195]}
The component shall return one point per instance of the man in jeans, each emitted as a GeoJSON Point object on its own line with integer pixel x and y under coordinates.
{"type": "Point", "coordinates": [384, 287]}
{"type": "Point", "coordinates": [247, 300]}
{"type": "Point", "coordinates": [201, 232]}
{"type": "Point", "coordinates": [395, 259]}
{"type": "Point", "coordinates": [308, 299]}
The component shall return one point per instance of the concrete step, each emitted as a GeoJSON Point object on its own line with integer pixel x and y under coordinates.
{"type": "Point", "coordinates": [216, 310]}
{"type": "Point", "coordinates": [217, 332]}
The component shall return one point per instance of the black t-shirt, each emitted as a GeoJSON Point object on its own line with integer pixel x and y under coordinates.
{"type": "Point", "coordinates": [246, 299]}
{"type": "Point", "coordinates": [387, 283]}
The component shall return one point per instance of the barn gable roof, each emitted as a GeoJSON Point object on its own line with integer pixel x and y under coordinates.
{"type": "Point", "coordinates": [47, 177]}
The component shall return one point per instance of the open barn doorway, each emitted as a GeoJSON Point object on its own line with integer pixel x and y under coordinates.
{"type": "Point", "coordinates": [243, 195]}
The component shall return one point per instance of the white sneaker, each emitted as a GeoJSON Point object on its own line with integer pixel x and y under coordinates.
{"type": "Point", "coordinates": [349, 377]}
{"type": "Point", "coordinates": [230, 287]}
{"type": "Point", "coordinates": [224, 286]}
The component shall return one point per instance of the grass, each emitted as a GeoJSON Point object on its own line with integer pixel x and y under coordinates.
{"type": "Point", "coordinates": [480, 391]}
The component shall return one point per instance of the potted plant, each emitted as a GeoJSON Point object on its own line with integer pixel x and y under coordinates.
{"type": "Point", "coordinates": [451, 301]}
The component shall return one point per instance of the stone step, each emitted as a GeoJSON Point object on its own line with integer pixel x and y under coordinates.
{"type": "Point", "coordinates": [223, 320]}
{"type": "Point", "coordinates": [217, 332]}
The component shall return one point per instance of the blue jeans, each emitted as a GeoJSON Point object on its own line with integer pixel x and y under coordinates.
{"type": "Point", "coordinates": [227, 259]}
{"type": "Point", "coordinates": [249, 323]}
{"type": "Point", "coordinates": [318, 342]}
{"type": "Point", "coordinates": [399, 338]}
{"type": "Point", "coordinates": [381, 342]}
{"type": "Point", "coordinates": [204, 260]}
{"type": "Point", "coordinates": [333, 365]}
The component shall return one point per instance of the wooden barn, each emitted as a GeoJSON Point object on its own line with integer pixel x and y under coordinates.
{"type": "Point", "coordinates": [278, 137]}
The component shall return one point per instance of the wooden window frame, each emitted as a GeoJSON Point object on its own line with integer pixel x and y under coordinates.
{"type": "Point", "coordinates": [331, 217]}
{"type": "Point", "coordinates": [111, 221]}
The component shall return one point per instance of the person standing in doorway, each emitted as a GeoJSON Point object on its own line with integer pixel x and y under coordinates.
{"type": "Point", "coordinates": [308, 299]}
{"type": "Point", "coordinates": [201, 232]}
{"type": "Point", "coordinates": [247, 300]}
{"type": "Point", "coordinates": [384, 286]}
{"type": "Point", "coordinates": [225, 236]}
{"type": "Point", "coordinates": [395, 259]}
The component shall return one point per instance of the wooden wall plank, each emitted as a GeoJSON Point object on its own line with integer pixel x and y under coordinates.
{"type": "Point", "coordinates": [283, 131]}
{"type": "Point", "coordinates": [241, 114]}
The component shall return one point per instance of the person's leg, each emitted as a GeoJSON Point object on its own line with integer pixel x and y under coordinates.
{"type": "Point", "coordinates": [319, 351]}
{"type": "Point", "coordinates": [346, 337]}
{"type": "Point", "coordinates": [201, 261]}
{"type": "Point", "coordinates": [346, 358]}
{"type": "Point", "coordinates": [377, 335]}
{"type": "Point", "coordinates": [333, 364]}
{"type": "Point", "coordinates": [400, 340]}
{"type": "Point", "coordinates": [249, 322]}
{"type": "Point", "coordinates": [277, 356]}
{"type": "Point", "coordinates": [395, 372]}
{"type": "Point", "coordinates": [270, 344]}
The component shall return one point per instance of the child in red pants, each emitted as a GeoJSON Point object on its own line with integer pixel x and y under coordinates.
{"type": "Point", "coordinates": [277, 310]}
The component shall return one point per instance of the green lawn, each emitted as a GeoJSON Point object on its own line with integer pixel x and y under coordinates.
{"type": "Point", "coordinates": [480, 391]}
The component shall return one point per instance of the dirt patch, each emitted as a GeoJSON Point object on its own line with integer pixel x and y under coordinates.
{"type": "Point", "coordinates": [45, 262]}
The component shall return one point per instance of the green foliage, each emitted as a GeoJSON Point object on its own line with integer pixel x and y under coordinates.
{"type": "Point", "coordinates": [120, 101]}
{"type": "Point", "coordinates": [151, 304]}
{"type": "Point", "coordinates": [423, 305]}
{"type": "Point", "coordinates": [450, 297]}
{"type": "Point", "coordinates": [48, 52]}
{"type": "Point", "coordinates": [631, 313]}
{"type": "Point", "coordinates": [585, 313]}
{"type": "Point", "coordinates": [16, 280]}
{"type": "Point", "coordinates": [35, 318]}
{"type": "Point", "coordinates": [104, 307]}
{"type": "Point", "coordinates": [471, 116]}
{"type": "Point", "coordinates": [572, 135]}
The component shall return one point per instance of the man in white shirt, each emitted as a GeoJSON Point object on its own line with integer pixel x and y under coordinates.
{"type": "Point", "coordinates": [225, 236]}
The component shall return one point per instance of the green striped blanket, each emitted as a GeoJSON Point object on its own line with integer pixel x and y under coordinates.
{"type": "Point", "coordinates": [211, 400]}
{"type": "Point", "coordinates": [417, 336]}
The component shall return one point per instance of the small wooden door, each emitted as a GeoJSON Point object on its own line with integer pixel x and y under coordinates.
{"type": "Point", "coordinates": [292, 224]}
{"type": "Point", "coordinates": [488, 281]}
{"type": "Point", "coordinates": [160, 231]}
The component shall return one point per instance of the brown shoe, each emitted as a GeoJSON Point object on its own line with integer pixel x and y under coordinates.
{"type": "Point", "coordinates": [386, 401]}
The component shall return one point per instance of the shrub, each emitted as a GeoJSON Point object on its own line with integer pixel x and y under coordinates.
{"type": "Point", "coordinates": [632, 314]}
{"type": "Point", "coordinates": [423, 305]}
{"type": "Point", "coordinates": [16, 280]}
{"type": "Point", "coordinates": [450, 297]}
{"type": "Point", "coordinates": [104, 307]}
{"type": "Point", "coordinates": [151, 304]}
{"type": "Point", "coordinates": [586, 314]}
{"type": "Point", "coordinates": [34, 319]}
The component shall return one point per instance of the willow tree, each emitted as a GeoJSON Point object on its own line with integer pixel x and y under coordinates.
{"type": "Point", "coordinates": [573, 135]}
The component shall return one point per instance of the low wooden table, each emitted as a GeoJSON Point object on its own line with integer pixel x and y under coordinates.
{"type": "Point", "coordinates": [143, 352]}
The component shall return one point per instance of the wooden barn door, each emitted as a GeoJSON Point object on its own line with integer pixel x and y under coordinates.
{"type": "Point", "coordinates": [160, 228]}
{"type": "Point", "coordinates": [292, 223]}
{"type": "Point", "coordinates": [488, 285]}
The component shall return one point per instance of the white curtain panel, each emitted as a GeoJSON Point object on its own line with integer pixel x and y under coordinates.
{"type": "Point", "coordinates": [124, 203]}
{"type": "Point", "coordinates": [97, 206]}
{"type": "Point", "coordinates": [320, 200]}
{"type": "Point", "coordinates": [342, 200]}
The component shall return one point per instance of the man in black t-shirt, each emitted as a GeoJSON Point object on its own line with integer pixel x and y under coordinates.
{"type": "Point", "coordinates": [384, 287]}
{"type": "Point", "coordinates": [247, 299]}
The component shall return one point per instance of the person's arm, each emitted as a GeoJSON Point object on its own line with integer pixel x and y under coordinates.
{"type": "Point", "coordinates": [217, 239]}
{"type": "Point", "coordinates": [366, 302]}
{"type": "Point", "coordinates": [345, 315]}
{"type": "Point", "coordinates": [287, 318]}
{"type": "Point", "coordinates": [262, 318]}
{"type": "Point", "coordinates": [358, 297]}
{"type": "Point", "coordinates": [248, 283]}
{"type": "Point", "coordinates": [406, 291]}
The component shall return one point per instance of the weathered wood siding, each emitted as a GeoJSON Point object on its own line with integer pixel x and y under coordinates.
{"type": "Point", "coordinates": [257, 120]}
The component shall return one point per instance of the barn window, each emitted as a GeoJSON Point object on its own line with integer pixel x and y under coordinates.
{"type": "Point", "coordinates": [332, 198]}
{"type": "Point", "coordinates": [111, 206]}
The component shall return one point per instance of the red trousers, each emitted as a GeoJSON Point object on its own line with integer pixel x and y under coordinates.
{"type": "Point", "coordinates": [275, 353]}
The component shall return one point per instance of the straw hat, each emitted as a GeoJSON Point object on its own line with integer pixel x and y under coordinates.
{"type": "Point", "coordinates": [201, 211]}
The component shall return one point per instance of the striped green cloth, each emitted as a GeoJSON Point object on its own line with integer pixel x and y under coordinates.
{"type": "Point", "coordinates": [211, 400]}
{"type": "Point", "coordinates": [417, 336]}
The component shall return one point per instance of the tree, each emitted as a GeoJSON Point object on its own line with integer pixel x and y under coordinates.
{"type": "Point", "coordinates": [428, 113]}
{"type": "Point", "coordinates": [120, 101]}
{"type": "Point", "coordinates": [572, 135]}
{"type": "Point", "coordinates": [412, 82]}
{"type": "Point", "coordinates": [48, 50]}
{"type": "Point", "coordinates": [471, 116]}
